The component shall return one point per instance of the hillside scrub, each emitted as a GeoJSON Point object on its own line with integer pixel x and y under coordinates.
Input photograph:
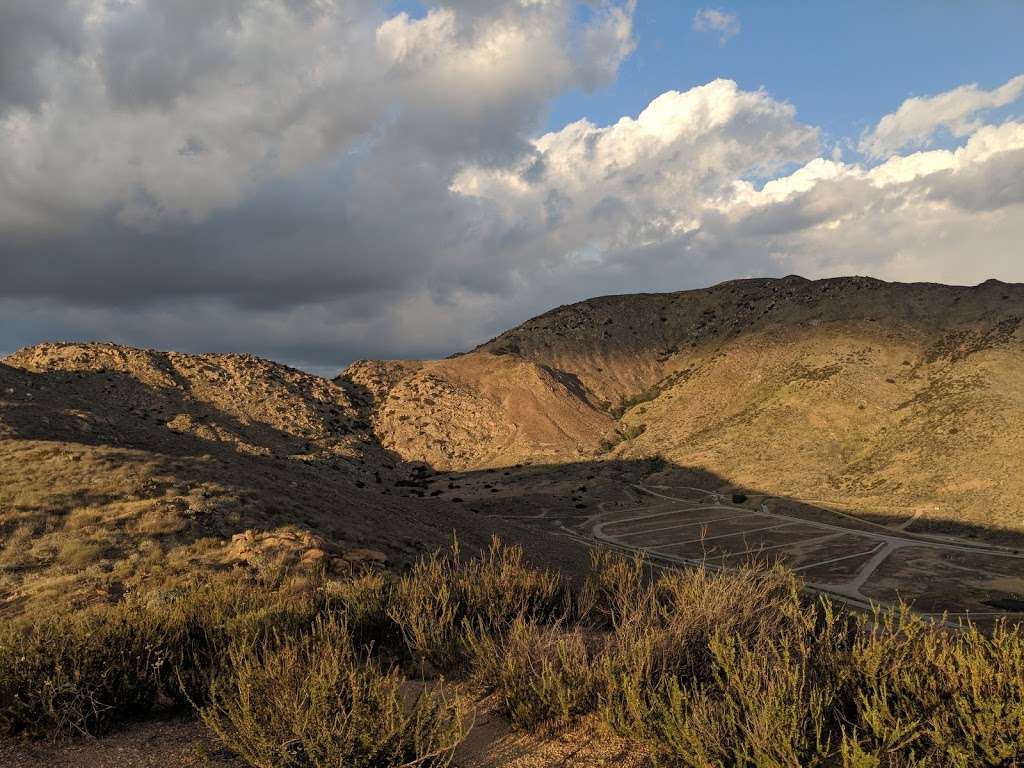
{"type": "Point", "coordinates": [351, 711]}
{"type": "Point", "coordinates": [443, 594]}
{"type": "Point", "coordinates": [75, 674]}
{"type": "Point", "coordinates": [697, 667]}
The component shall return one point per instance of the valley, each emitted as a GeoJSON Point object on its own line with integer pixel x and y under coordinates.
{"type": "Point", "coordinates": [874, 430]}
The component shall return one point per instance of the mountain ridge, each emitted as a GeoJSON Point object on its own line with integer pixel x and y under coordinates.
{"type": "Point", "coordinates": [857, 360]}
{"type": "Point", "coordinates": [121, 467]}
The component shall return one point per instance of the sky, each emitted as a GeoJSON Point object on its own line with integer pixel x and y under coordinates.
{"type": "Point", "coordinates": [317, 181]}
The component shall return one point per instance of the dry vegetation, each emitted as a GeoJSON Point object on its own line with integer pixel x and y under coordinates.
{"type": "Point", "coordinates": [124, 471]}
{"type": "Point", "coordinates": [692, 667]}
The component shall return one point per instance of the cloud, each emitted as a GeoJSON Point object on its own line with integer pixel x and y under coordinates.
{"type": "Point", "coordinates": [36, 36]}
{"type": "Point", "coordinates": [691, 191]}
{"type": "Point", "coordinates": [725, 23]}
{"type": "Point", "coordinates": [917, 119]}
{"type": "Point", "coordinates": [641, 180]}
{"type": "Point", "coordinates": [183, 109]}
{"type": "Point", "coordinates": [242, 159]}
{"type": "Point", "coordinates": [316, 181]}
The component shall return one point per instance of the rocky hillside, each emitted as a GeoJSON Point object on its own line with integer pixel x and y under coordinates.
{"type": "Point", "coordinates": [126, 469]}
{"type": "Point", "coordinates": [252, 405]}
{"type": "Point", "coordinates": [869, 395]}
{"type": "Point", "coordinates": [480, 410]}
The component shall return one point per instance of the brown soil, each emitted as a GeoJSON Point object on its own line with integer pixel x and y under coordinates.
{"type": "Point", "coordinates": [162, 744]}
{"type": "Point", "coordinates": [492, 743]}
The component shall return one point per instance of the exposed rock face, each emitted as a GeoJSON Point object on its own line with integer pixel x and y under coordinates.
{"type": "Point", "coordinates": [487, 410]}
{"type": "Point", "coordinates": [296, 548]}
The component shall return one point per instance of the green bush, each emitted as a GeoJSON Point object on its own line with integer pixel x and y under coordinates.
{"type": "Point", "coordinates": [313, 701]}
{"type": "Point", "coordinates": [770, 702]}
{"type": "Point", "coordinates": [662, 630]}
{"type": "Point", "coordinates": [923, 694]}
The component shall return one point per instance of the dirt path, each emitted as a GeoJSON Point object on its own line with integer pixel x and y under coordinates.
{"type": "Point", "coordinates": [184, 743]}
{"type": "Point", "coordinates": [156, 744]}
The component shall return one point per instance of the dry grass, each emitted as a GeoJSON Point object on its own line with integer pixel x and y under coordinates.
{"type": "Point", "coordinates": [16, 551]}
{"type": "Point", "coordinates": [77, 554]}
{"type": "Point", "coordinates": [161, 522]}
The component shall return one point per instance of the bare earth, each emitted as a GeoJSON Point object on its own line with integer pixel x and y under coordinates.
{"type": "Point", "coordinates": [186, 744]}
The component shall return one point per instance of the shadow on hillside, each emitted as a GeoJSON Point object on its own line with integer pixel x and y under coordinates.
{"type": "Point", "coordinates": [404, 510]}
{"type": "Point", "coordinates": [114, 408]}
{"type": "Point", "coordinates": [627, 472]}
{"type": "Point", "coordinates": [84, 425]}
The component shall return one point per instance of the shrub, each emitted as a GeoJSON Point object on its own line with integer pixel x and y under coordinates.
{"type": "Point", "coordinates": [81, 673]}
{"type": "Point", "coordinates": [622, 434]}
{"type": "Point", "coordinates": [663, 629]}
{"type": "Point", "coordinates": [773, 702]}
{"type": "Point", "coordinates": [924, 693]}
{"type": "Point", "coordinates": [625, 403]}
{"type": "Point", "coordinates": [364, 599]}
{"type": "Point", "coordinates": [543, 674]}
{"type": "Point", "coordinates": [431, 603]}
{"type": "Point", "coordinates": [313, 701]}
{"type": "Point", "coordinates": [707, 668]}
{"type": "Point", "coordinates": [633, 431]}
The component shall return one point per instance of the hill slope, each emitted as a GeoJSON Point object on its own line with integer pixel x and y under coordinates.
{"type": "Point", "coordinates": [126, 469]}
{"type": "Point", "coordinates": [865, 394]}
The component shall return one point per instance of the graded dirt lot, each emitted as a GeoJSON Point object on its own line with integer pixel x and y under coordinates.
{"type": "Point", "coordinates": [650, 509]}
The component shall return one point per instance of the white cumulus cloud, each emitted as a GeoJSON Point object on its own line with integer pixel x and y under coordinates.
{"type": "Point", "coordinates": [917, 119]}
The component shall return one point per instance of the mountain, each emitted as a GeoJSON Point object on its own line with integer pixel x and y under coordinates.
{"type": "Point", "coordinates": [866, 395]}
{"type": "Point", "coordinates": [126, 469]}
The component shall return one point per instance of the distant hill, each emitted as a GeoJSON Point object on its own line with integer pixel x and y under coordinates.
{"type": "Point", "coordinates": [126, 469]}
{"type": "Point", "coordinates": [865, 394]}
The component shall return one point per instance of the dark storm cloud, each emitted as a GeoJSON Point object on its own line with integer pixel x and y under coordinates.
{"type": "Point", "coordinates": [273, 177]}
{"type": "Point", "coordinates": [154, 52]}
{"type": "Point", "coordinates": [31, 33]}
{"type": "Point", "coordinates": [315, 180]}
